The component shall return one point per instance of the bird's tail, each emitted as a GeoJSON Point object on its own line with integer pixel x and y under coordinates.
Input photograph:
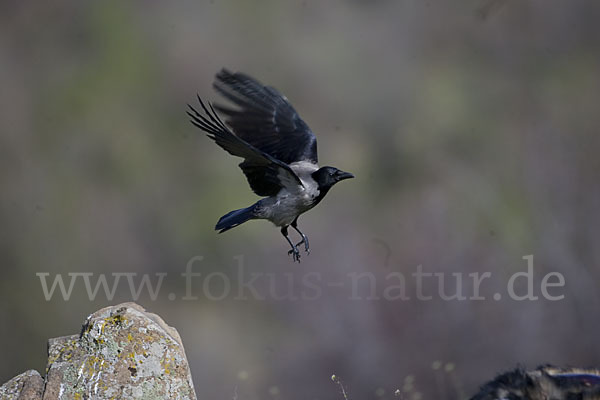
{"type": "Point", "coordinates": [235, 218]}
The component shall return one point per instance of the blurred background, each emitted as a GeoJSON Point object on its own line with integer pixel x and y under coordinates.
{"type": "Point", "coordinates": [471, 127]}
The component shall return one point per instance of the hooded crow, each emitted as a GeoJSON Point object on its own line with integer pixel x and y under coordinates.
{"type": "Point", "coordinates": [279, 152]}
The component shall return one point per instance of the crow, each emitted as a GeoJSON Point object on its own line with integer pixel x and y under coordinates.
{"type": "Point", "coordinates": [279, 152]}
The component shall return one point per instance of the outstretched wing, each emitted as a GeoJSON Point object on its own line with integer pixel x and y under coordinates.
{"type": "Point", "coordinates": [265, 118]}
{"type": "Point", "coordinates": [266, 175]}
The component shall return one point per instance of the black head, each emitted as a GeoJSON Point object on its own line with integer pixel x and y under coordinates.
{"type": "Point", "coordinates": [326, 177]}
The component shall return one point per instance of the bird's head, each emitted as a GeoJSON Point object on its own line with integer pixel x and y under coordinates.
{"type": "Point", "coordinates": [326, 177]}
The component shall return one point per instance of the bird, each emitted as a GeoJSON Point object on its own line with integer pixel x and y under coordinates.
{"type": "Point", "coordinates": [278, 149]}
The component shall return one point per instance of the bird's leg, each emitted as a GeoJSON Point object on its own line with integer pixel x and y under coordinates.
{"type": "Point", "coordinates": [294, 251]}
{"type": "Point", "coordinates": [304, 237]}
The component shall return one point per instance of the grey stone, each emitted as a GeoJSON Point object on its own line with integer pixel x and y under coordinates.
{"type": "Point", "coordinates": [122, 352]}
{"type": "Point", "coordinates": [27, 386]}
{"type": "Point", "coordinates": [543, 383]}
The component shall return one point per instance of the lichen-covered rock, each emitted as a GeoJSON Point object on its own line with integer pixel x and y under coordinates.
{"type": "Point", "coordinates": [27, 386]}
{"type": "Point", "coordinates": [122, 352]}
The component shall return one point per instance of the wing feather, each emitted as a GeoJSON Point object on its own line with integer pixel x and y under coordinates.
{"type": "Point", "coordinates": [265, 118]}
{"type": "Point", "coordinates": [265, 174]}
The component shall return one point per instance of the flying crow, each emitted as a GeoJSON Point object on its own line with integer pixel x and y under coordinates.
{"type": "Point", "coordinates": [279, 152]}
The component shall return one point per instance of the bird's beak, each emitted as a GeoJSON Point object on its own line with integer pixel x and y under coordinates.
{"type": "Point", "coordinates": [341, 175]}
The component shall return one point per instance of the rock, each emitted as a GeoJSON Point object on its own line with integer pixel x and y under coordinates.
{"type": "Point", "coordinates": [27, 386]}
{"type": "Point", "coordinates": [543, 383]}
{"type": "Point", "coordinates": [123, 352]}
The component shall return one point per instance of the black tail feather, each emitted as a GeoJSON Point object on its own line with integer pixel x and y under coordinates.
{"type": "Point", "coordinates": [235, 218]}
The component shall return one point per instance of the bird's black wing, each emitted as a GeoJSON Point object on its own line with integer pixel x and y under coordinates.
{"type": "Point", "coordinates": [266, 175]}
{"type": "Point", "coordinates": [265, 118]}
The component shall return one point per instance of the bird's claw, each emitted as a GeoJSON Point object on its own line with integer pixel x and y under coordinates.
{"type": "Point", "coordinates": [295, 253]}
{"type": "Point", "coordinates": [306, 246]}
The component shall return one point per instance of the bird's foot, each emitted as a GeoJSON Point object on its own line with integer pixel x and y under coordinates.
{"type": "Point", "coordinates": [306, 246]}
{"type": "Point", "coordinates": [295, 253]}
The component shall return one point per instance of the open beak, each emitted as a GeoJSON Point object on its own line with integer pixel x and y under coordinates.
{"type": "Point", "coordinates": [341, 175]}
